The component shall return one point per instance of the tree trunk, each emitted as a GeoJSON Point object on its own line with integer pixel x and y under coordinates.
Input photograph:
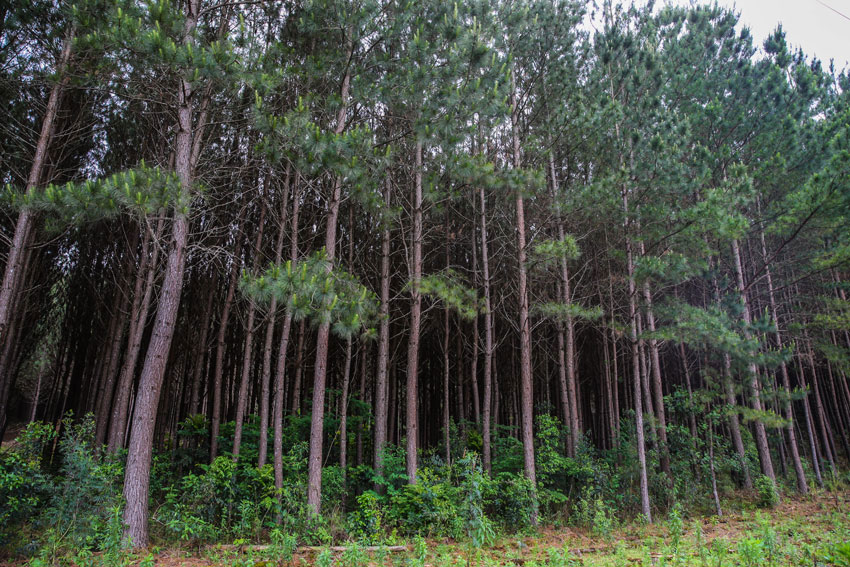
{"type": "Point", "coordinates": [16, 262]}
{"type": "Point", "coordinates": [381, 383]}
{"type": "Point", "coordinates": [221, 344]}
{"type": "Point", "coordinates": [299, 370]}
{"type": "Point", "coordinates": [446, 384]}
{"type": "Point", "coordinates": [761, 434]}
{"type": "Point", "coordinates": [200, 359]}
{"type": "Point", "coordinates": [415, 320]}
{"type": "Point", "coordinates": [526, 378]}
{"type": "Point", "coordinates": [343, 411]}
{"type": "Point", "coordinates": [242, 398]}
{"type": "Point", "coordinates": [314, 460]}
{"type": "Point", "coordinates": [267, 347]}
{"type": "Point", "coordinates": [121, 314]}
{"type": "Point", "coordinates": [486, 405]}
{"type": "Point", "coordinates": [802, 485]}
{"type": "Point", "coordinates": [138, 319]}
{"type": "Point", "coordinates": [636, 371]}
{"type": "Point", "coordinates": [566, 338]}
{"type": "Point", "coordinates": [137, 475]}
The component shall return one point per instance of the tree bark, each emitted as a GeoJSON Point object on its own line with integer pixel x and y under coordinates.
{"type": "Point", "coordinates": [314, 460]}
{"type": "Point", "coordinates": [138, 319]}
{"type": "Point", "coordinates": [137, 475]}
{"type": "Point", "coordinates": [761, 434]}
{"type": "Point", "coordinates": [486, 405]}
{"type": "Point", "coordinates": [802, 485]}
{"type": "Point", "coordinates": [242, 398]}
{"type": "Point", "coordinates": [526, 378]}
{"type": "Point", "coordinates": [636, 371]}
{"type": "Point", "coordinates": [566, 339]}
{"type": "Point", "coordinates": [280, 371]}
{"type": "Point", "coordinates": [381, 382]}
{"type": "Point", "coordinates": [657, 391]}
{"type": "Point", "coordinates": [270, 323]}
{"type": "Point", "coordinates": [412, 419]}
{"type": "Point", "coordinates": [16, 262]}
{"type": "Point", "coordinates": [221, 344]}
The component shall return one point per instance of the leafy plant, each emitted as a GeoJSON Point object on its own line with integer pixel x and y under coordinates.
{"type": "Point", "coordinates": [365, 523]}
{"type": "Point", "coordinates": [768, 493]}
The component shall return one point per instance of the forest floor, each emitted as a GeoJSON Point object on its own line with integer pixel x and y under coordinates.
{"type": "Point", "coordinates": [800, 531]}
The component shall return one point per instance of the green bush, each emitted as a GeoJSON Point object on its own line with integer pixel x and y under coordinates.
{"type": "Point", "coordinates": [515, 500]}
{"type": "Point", "coordinates": [366, 523]}
{"type": "Point", "coordinates": [428, 507]}
{"type": "Point", "coordinates": [23, 486]}
{"type": "Point", "coordinates": [86, 496]}
{"type": "Point", "coordinates": [768, 494]}
{"type": "Point", "coordinates": [222, 498]}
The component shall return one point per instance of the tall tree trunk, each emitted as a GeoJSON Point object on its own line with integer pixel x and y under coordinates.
{"type": "Point", "coordinates": [657, 391]}
{"type": "Point", "coordinates": [810, 428]}
{"type": "Point", "coordinates": [247, 358]}
{"type": "Point", "coordinates": [364, 372]}
{"type": "Point", "coordinates": [137, 475]}
{"type": "Point", "coordinates": [221, 340]}
{"type": "Point", "coordinates": [446, 368]}
{"type": "Point", "coordinates": [731, 401]}
{"type": "Point", "coordinates": [636, 371]}
{"type": "Point", "coordinates": [299, 370]}
{"type": "Point", "coordinates": [141, 305]}
{"type": "Point", "coordinates": [823, 422]}
{"type": "Point", "coordinates": [267, 347]}
{"type": "Point", "coordinates": [346, 371]}
{"type": "Point", "coordinates": [200, 358]}
{"type": "Point", "coordinates": [16, 262]}
{"type": "Point", "coordinates": [566, 337]}
{"type": "Point", "coordinates": [381, 383]}
{"type": "Point", "coordinates": [486, 406]}
{"type": "Point", "coordinates": [761, 434]}
{"type": "Point", "coordinates": [121, 315]}
{"type": "Point", "coordinates": [412, 417]}
{"type": "Point", "coordinates": [526, 378]}
{"type": "Point", "coordinates": [802, 485]}
{"type": "Point", "coordinates": [314, 460]}
{"type": "Point", "coordinates": [343, 411]}
{"type": "Point", "coordinates": [280, 371]}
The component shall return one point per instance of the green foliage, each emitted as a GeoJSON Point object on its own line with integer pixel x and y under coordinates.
{"type": "Point", "coordinates": [448, 287]}
{"type": "Point", "coordinates": [140, 192]}
{"type": "Point", "coordinates": [23, 485]}
{"type": "Point", "coordinates": [428, 507]}
{"type": "Point", "coordinates": [87, 499]}
{"type": "Point", "coordinates": [473, 485]}
{"type": "Point", "coordinates": [593, 512]}
{"type": "Point", "coordinates": [312, 289]}
{"type": "Point", "coordinates": [515, 500]}
{"type": "Point", "coordinates": [550, 251]}
{"type": "Point", "coordinates": [366, 522]}
{"type": "Point", "coordinates": [751, 552]}
{"type": "Point", "coordinates": [675, 527]}
{"type": "Point", "coordinates": [222, 498]}
{"type": "Point", "coordinates": [768, 493]}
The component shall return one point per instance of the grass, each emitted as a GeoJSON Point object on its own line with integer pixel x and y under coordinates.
{"type": "Point", "coordinates": [811, 531]}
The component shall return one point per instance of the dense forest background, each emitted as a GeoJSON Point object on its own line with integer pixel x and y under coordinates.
{"type": "Point", "coordinates": [429, 264]}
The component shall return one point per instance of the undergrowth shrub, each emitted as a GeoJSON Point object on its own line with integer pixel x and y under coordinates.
{"type": "Point", "coordinates": [428, 507]}
{"type": "Point", "coordinates": [768, 493]}
{"type": "Point", "coordinates": [222, 498]}
{"type": "Point", "coordinates": [23, 485]}
{"type": "Point", "coordinates": [366, 522]}
{"type": "Point", "coordinates": [514, 501]}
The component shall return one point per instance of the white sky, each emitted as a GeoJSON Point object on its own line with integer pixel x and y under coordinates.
{"type": "Point", "coordinates": [816, 26]}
